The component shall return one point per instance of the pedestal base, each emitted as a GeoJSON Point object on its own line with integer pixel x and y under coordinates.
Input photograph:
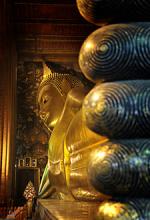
{"type": "Point", "coordinates": [49, 209]}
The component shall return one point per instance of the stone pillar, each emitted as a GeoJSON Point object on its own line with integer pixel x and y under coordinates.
{"type": "Point", "coordinates": [7, 99]}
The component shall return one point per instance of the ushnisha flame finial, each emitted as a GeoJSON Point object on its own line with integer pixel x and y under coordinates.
{"type": "Point", "coordinates": [46, 71]}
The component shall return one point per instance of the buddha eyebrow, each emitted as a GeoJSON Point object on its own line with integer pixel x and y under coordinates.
{"type": "Point", "coordinates": [39, 99]}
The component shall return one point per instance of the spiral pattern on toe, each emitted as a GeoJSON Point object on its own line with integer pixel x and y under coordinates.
{"type": "Point", "coordinates": [103, 11]}
{"type": "Point", "coordinates": [135, 209]}
{"type": "Point", "coordinates": [121, 168]}
{"type": "Point", "coordinates": [98, 12]}
{"type": "Point", "coordinates": [119, 109]}
{"type": "Point", "coordinates": [117, 52]}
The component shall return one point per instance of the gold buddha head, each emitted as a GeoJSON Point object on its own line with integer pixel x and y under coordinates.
{"type": "Point", "coordinates": [52, 94]}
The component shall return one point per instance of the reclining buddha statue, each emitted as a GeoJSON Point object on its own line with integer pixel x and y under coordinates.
{"type": "Point", "coordinates": [83, 164]}
{"type": "Point", "coordinates": [60, 99]}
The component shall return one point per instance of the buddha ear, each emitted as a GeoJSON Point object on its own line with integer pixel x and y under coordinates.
{"type": "Point", "coordinates": [65, 86]}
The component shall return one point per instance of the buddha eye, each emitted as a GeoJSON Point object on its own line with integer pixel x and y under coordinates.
{"type": "Point", "coordinates": [45, 99]}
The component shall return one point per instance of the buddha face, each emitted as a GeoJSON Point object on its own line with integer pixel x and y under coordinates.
{"type": "Point", "coordinates": [51, 104]}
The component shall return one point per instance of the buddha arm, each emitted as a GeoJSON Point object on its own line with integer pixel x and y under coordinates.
{"type": "Point", "coordinates": [80, 143]}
